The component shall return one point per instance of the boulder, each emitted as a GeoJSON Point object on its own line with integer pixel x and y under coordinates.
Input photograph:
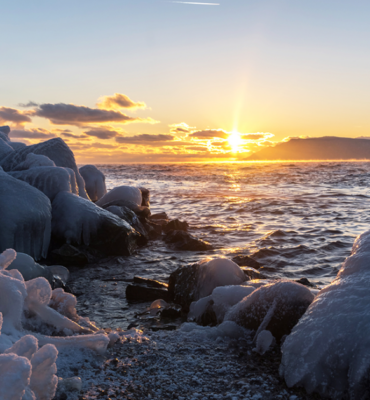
{"type": "Point", "coordinates": [94, 182]}
{"type": "Point", "coordinates": [145, 194]}
{"type": "Point", "coordinates": [4, 133]}
{"type": "Point", "coordinates": [34, 160]}
{"type": "Point", "coordinates": [275, 307]}
{"type": "Point", "coordinates": [56, 150]}
{"type": "Point", "coordinates": [69, 255]}
{"type": "Point", "coordinates": [246, 261]}
{"type": "Point", "coordinates": [79, 221]}
{"type": "Point", "coordinates": [49, 180]}
{"type": "Point", "coordinates": [5, 149]}
{"type": "Point", "coordinates": [181, 240]}
{"type": "Point", "coordinates": [25, 217]}
{"type": "Point", "coordinates": [129, 194]}
{"type": "Point", "coordinates": [143, 293]}
{"type": "Point", "coordinates": [176, 225]}
{"type": "Point", "coordinates": [192, 282]}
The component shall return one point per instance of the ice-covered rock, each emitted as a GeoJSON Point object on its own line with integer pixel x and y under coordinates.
{"type": "Point", "coordinates": [15, 374]}
{"type": "Point", "coordinates": [25, 217]}
{"type": "Point", "coordinates": [34, 160]}
{"type": "Point", "coordinates": [55, 149]}
{"type": "Point", "coordinates": [5, 149]}
{"type": "Point", "coordinates": [4, 133]}
{"type": "Point", "coordinates": [94, 182]}
{"type": "Point", "coordinates": [276, 307]}
{"type": "Point", "coordinates": [329, 349]}
{"type": "Point", "coordinates": [264, 341]}
{"type": "Point", "coordinates": [49, 180]}
{"type": "Point", "coordinates": [29, 269]}
{"type": "Point", "coordinates": [79, 221]}
{"type": "Point", "coordinates": [211, 310]}
{"type": "Point", "coordinates": [192, 282]}
{"type": "Point", "coordinates": [17, 145]}
{"type": "Point", "coordinates": [227, 329]}
{"type": "Point", "coordinates": [128, 194]}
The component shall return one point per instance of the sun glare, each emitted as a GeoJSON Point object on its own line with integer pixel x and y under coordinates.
{"type": "Point", "coordinates": [235, 141]}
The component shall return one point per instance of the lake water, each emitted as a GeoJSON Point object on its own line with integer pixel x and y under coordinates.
{"type": "Point", "coordinates": [297, 219]}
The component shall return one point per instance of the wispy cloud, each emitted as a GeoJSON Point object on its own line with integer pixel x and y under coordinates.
{"type": "Point", "coordinates": [195, 3]}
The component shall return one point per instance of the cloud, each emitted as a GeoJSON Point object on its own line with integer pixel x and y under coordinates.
{"type": "Point", "coordinates": [180, 129]}
{"type": "Point", "coordinates": [118, 101]}
{"type": "Point", "coordinates": [13, 115]}
{"type": "Point", "coordinates": [70, 114]}
{"type": "Point", "coordinates": [144, 138]}
{"type": "Point", "coordinates": [210, 134]}
{"type": "Point", "coordinates": [29, 104]}
{"type": "Point", "coordinates": [102, 133]}
{"type": "Point", "coordinates": [37, 133]}
{"type": "Point", "coordinates": [72, 136]}
{"type": "Point", "coordinates": [253, 136]}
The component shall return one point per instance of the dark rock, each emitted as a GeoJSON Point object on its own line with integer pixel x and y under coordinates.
{"type": "Point", "coordinates": [154, 230]}
{"type": "Point", "coordinates": [182, 284]}
{"type": "Point", "coordinates": [77, 220]}
{"type": "Point", "coordinates": [162, 216]}
{"type": "Point", "coordinates": [176, 225]}
{"type": "Point", "coordinates": [171, 312]}
{"type": "Point", "coordinates": [253, 273]}
{"type": "Point", "coordinates": [276, 308]}
{"type": "Point", "coordinates": [150, 282]}
{"type": "Point", "coordinates": [146, 197]}
{"type": "Point", "coordinates": [132, 219]}
{"type": "Point", "coordinates": [140, 211]}
{"type": "Point", "coordinates": [246, 261]}
{"type": "Point", "coordinates": [181, 240]}
{"type": "Point", "coordinates": [305, 282]}
{"type": "Point", "coordinates": [69, 255]}
{"type": "Point", "coordinates": [208, 317]}
{"type": "Point", "coordinates": [145, 293]}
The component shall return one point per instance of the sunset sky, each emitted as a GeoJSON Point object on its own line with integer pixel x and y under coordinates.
{"type": "Point", "coordinates": [154, 80]}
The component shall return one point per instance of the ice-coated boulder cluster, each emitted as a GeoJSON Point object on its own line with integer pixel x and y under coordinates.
{"type": "Point", "coordinates": [45, 198]}
{"type": "Point", "coordinates": [27, 357]}
{"type": "Point", "coordinates": [328, 350]}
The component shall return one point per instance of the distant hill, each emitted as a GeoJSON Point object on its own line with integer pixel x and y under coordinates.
{"type": "Point", "coordinates": [324, 148]}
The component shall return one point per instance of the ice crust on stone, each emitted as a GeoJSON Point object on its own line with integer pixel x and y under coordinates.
{"type": "Point", "coordinates": [29, 269]}
{"type": "Point", "coordinates": [264, 341]}
{"type": "Point", "coordinates": [34, 160]}
{"type": "Point", "coordinates": [56, 150]}
{"type": "Point", "coordinates": [17, 145]}
{"type": "Point", "coordinates": [218, 272]}
{"type": "Point", "coordinates": [49, 180]}
{"type": "Point", "coordinates": [94, 182]}
{"type": "Point", "coordinates": [5, 149]}
{"type": "Point", "coordinates": [129, 194]}
{"type": "Point", "coordinates": [25, 217]}
{"type": "Point", "coordinates": [329, 349]}
{"type": "Point", "coordinates": [220, 301]}
{"type": "Point", "coordinates": [79, 221]}
{"type": "Point", "coordinates": [226, 329]}
{"type": "Point", "coordinates": [4, 133]}
{"type": "Point", "coordinates": [276, 307]}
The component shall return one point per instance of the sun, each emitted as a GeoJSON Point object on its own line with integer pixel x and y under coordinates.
{"type": "Point", "coordinates": [235, 141]}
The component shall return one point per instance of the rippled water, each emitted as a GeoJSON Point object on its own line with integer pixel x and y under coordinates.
{"type": "Point", "coordinates": [298, 220]}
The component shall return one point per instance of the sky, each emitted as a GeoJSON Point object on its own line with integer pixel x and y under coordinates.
{"type": "Point", "coordinates": [159, 81]}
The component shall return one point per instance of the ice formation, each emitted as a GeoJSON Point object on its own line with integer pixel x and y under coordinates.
{"type": "Point", "coordinates": [79, 221]}
{"type": "Point", "coordinates": [34, 160]}
{"type": "Point", "coordinates": [129, 194]}
{"type": "Point", "coordinates": [264, 341]}
{"type": "Point", "coordinates": [17, 145]}
{"type": "Point", "coordinates": [27, 372]}
{"type": "Point", "coordinates": [276, 307]}
{"type": "Point", "coordinates": [4, 133]}
{"type": "Point", "coordinates": [94, 182]}
{"type": "Point", "coordinates": [49, 180]}
{"type": "Point", "coordinates": [56, 150]}
{"type": "Point", "coordinates": [25, 217]}
{"type": "Point", "coordinates": [329, 350]}
{"type": "Point", "coordinates": [219, 302]}
{"type": "Point", "coordinates": [29, 269]}
{"type": "Point", "coordinates": [218, 272]}
{"type": "Point", "coordinates": [226, 329]}
{"type": "Point", "coordinates": [5, 149]}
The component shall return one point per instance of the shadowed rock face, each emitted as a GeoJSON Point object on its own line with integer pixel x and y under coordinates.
{"type": "Point", "coordinates": [79, 221]}
{"type": "Point", "coordinates": [324, 148]}
{"type": "Point", "coordinates": [25, 217]}
{"type": "Point", "coordinates": [279, 306]}
{"type": "Point", "coordinates": [55, 149]}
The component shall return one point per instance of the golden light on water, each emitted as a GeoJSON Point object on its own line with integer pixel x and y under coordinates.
{"type": "Point", "coordinates": [235, 141]}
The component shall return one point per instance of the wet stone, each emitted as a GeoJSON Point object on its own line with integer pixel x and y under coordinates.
{"type": "Point", "coordinates": [145, 293]}
{"type": "Point", "coordinates": [176, 225]}
{"type": "Point", "coordinates": [181, 240]}
{"type": "Point", "coordinates": [246, 261]}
